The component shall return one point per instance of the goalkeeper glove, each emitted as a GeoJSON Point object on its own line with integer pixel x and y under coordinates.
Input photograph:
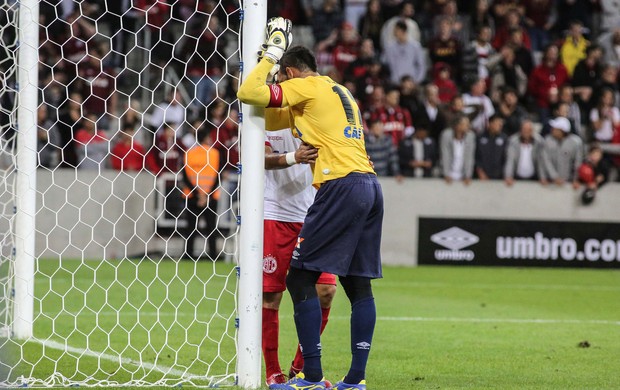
{"type": "Point", "coordinates": [279, 38]}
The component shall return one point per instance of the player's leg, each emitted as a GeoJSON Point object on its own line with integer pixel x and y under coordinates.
{"type": "Point", "coordinates": [280, 239]}
{"type": "Point", "coordinates": [363, 319]}
{"type": "Point", "coordinates": [326, 290]}
{"type": "Point", "coordinates": [301, 284]}
{"type": "Point", "coordinates": [365, 266]}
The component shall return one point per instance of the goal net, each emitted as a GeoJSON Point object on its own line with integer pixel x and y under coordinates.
{"type": "Point", "coordinates": [134, 212]}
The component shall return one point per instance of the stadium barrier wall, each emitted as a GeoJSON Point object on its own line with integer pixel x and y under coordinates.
{"type": "Point", "coordinates": [407, 201]}
{"type": "Point", "coordinates": [112, 214]}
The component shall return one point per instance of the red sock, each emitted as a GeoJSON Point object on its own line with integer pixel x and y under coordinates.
{"type": "Point", "coordinates": [298, 362]}
{"type": "Point", "coordinates": [271, 326]}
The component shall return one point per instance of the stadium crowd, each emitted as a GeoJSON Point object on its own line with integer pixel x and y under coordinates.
{"type": "Point", "coordinates": [484, 89]}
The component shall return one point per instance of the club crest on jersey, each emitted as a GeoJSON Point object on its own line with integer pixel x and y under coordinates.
{"type": "Point", "coordinates": [270, 265]}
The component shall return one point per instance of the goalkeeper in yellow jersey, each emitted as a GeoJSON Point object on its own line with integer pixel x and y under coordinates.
{"type": "Point", "coordinates": [342, 230]}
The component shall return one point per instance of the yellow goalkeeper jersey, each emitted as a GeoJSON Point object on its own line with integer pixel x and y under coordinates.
{"type": "Point", "coordinates": [324, 114]}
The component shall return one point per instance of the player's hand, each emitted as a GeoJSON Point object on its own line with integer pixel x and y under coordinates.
{"type": "Point", "coordinates": [279, 38]}
{"type": "Point", "coordinates": [306, 154]}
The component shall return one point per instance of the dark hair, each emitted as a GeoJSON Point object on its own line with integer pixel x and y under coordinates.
{"type": "Point", "coordinates": [299, 57]}
{"type": "Point", "coordinates": [203, 133]}
{"type": "Point", "coordinates": [401, 25]}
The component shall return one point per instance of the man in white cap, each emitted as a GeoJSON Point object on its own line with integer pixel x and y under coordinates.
{"type": "Point", "coordinates": [562, 154]}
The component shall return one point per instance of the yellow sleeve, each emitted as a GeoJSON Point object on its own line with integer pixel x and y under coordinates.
{"type": "Point", "coordinates": [254, 90]}
{"type": "Point", "coordinates": [277, 119]}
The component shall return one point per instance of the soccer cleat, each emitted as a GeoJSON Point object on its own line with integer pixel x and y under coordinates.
{"type": "Point", "coordinates": [299, 383]}
{"type": "Point", "coordinates": [277, 378]}
{"type": "Point", "coordinates": [346, 386]}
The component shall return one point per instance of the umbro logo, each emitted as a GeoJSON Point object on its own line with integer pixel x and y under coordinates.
{"type": "Point", "coordinates": [363, 345]}
{"type": "Point", "coordinates": [454, 238]}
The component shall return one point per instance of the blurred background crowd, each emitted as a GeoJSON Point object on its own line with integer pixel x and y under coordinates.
{"type": "Point", "coordinates": [480, 89]}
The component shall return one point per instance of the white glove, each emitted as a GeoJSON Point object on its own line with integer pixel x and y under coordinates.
{"type": "Point", "coordinates": [279, 38]}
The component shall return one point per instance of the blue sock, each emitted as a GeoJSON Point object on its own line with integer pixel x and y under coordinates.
{"type": "Point", "coordinates": [308, 324]}
{"type": "Point", "coordinates": [363, 318]}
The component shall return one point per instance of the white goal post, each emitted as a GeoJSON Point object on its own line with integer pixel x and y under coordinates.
{"type": "Point", "coordinates": [99, 286]}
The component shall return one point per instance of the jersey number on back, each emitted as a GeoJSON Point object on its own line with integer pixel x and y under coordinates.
{"type": "Point", "coordinates": [352, 112]}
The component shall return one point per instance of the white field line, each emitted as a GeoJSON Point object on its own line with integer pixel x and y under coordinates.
{"type": "Point", "coordinates": [380, 318]}
{"type": "Point", "coordinates": [116, 359]}
{"type": "Point", "coordinates": [382, 283]}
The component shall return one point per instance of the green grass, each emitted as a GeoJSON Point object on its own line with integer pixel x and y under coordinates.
{"type": "Point", "coordinates": [437, 328]}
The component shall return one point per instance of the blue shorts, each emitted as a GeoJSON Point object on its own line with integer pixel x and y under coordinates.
{"type": "Point", "coordinates": [342, 231]}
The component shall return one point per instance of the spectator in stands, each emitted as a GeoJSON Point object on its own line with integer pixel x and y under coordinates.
{"type": "Point", "coordinates": [586, 75]}
{"type": "Point", "coordinates": [92, 145]}
{"type": "Point", "coordinates": [382, 151]}
{"type": "Point", "coordinates": [407, 11]}
{"type": "Point", "coordinates": [396, 120]}
{"type": "Point", "coordinates": [443, 47]}
{"type": "Point", "coordinates": [510, 110]}
{"type": "Point", "coordinates": [610, 12]}
{"type": "Point", "coordinates": [170, 111]}
{"type": "Point", "coordinates": [573, 48]}
{"type": "Point", "coordinates": [573, 112]}
{"type": "Point", "coordinates": [608, 80]}
{"type": "Point", "coordinates": [80, 31]}
{"type": "Point", "coordinates": [169, 150]}
{"type": "Point", "coordinates": [458, 151]}
{"type": "Point", "coordinates": [443, 80]}
{"type": "Point", "coordinates": [476, 56]}
{"type": "Point", "coordinates": [505, 72]}
{"type": "Point", "coordinates": [491, 150]}
{"type": "Point", "coordinates": [201, 176]}
{"type": "Point", "coordinates": [545, 80]}
{"type": "Point", "coordinates": [404, 57]}
{"type": "Point", "coordinates": [511, 22]}
{"type": "Point", "coordinates": [610, 43]}
{"type": "Point", "coordinates": [559, 109]}
{"type": "Point", "coordinates": [562, 154]}
{"type": "Point", "coordinates": [429, 114]}
{"type": "Point", "coordinates": [97, 85]}
{"type": "Point", "coordinates": [409, 97]}
{"type": "Point", "coordinates": [326, 20]}
{"type": "Point", "coordinates": [374, 102]}
{"type": "Point", "coordinates": [205, 70]}
{"type": "Point", "coordinates": [454, 109]}
{"type": "Point", "coordinates": [346, 49]}
{"type": "Point", "coordinates": [478, 106]}
{"type": "Point", "coordinates": [539, 18]}
{"type": "Point", "coordinates": [569, 10]}
{"type": "Point", "coordinates": [48, 139]}
{"type": "Point", "coordinates": [594, 171]}
{"type": "Point", "coordinates": [458, 23]}
{"type": "Point", "coordinates": [523, 55]}
{"type": "Point", "coordinates": [523, 154]}
{"type": "Point", "coordinates": [481, 17]}
{"type": "Point", "coordinates": [129, 155]}
{"type": "Point", "coordinates": [371, 22]}
{"type": "Point", "coordinates": [365, 58]}
{"type": "Point", "coordinates": [417, 154]}
{"type": "Point", "coordinates": [605, 117]}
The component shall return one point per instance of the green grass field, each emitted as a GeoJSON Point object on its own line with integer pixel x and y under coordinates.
{"type": "Point", "coordinates": [437, 328]}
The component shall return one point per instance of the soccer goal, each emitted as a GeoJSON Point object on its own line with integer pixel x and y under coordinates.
{"type": "Point", "coordinates": [109, 273]}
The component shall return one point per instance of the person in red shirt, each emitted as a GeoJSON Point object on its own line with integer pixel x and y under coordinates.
{"type": "Point", "coordinates": [129, 155]}
{"type": "Point", "coordinates": [442, 79]}
{"type": "Point", "coordinates": [545, 81]}
{"type": "Point", "coordinates": [91, 145]}
{"type": "Point", "coordinates": [396, 120]}
{"type": "Point", "coordinates": [346, 49]}
{"type": "Point", "coordinates": [510, 22]}
{"type": "Point", "coordinates": [98, 86]}
{"type": "Point", "coordinates": [169, 150]}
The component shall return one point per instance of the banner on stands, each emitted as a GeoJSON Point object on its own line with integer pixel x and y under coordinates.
{"type": "Point", "coordinates": [518, 243]}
